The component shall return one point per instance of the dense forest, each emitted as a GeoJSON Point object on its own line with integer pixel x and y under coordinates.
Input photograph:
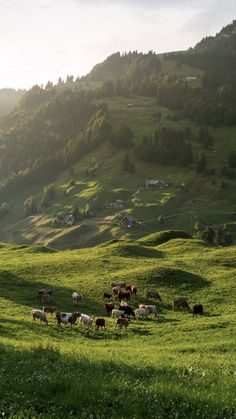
{"type": "Point", "coordinates": [211, 102]}
{"type": "Point", "coordinates": [49, 131]}
{"type": "Point", "coordinates": [9, 98]}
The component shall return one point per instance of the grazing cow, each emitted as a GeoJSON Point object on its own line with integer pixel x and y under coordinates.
{"type": "Point", "coordinates": [115, 291]}
{"type": "Point", "coordinates": [121, 284]}
{"type": "Point", "coordinates": [197, 309]}
{"type": "Point", "coordinates": [86, 320]}
{"type": "Point", "coordinates": [140, 313]}
{"type": "Point", "coordinates": [106, 295]}
{"type": "Point", "coordinates": [46, 298]}
{"type": "Point", "coordinates": [117, 313]}
{"type": "Point", "coordinates": [123, 294]}
{"type": "Point", "coordinates": [180, 303]}
{"type": "Point", "coordinates": [153, 294]}
{"type": "Point", "coordinates": [39, 314]}
{"type": "Point", "coordinates": [124, 303]}
{"type": "Point", "coordinates": [132, 288]}
{"type": "Point", "coordinates": [100, 323]}
{"type": "Point", "coordinates": [128, 310]}
{"type": "Point", "coordinates": [49, 309]}
{"type": "Point", "coordinates": [45, 291]}
{"type": "Point", "coordinates": [67, 318]}
{"type": "Point", "coordinates": [76, 297]}
{"type": "Point", "coordinates": [121, 322]}
{"type": "Point", "coordinates": [150, 309]}
{"type": "Point", "coordinates": [109, 307]}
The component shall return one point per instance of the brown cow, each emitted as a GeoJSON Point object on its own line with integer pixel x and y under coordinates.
{"type": "Point", "coordinates": [180, 304]}
{"type": "Point", "coordinates": [132, 289]}
{"type": "Point", "coordinates": [109, 307]}
{"type": "Point", "coordinates": [121, 322]}
{"type": "Point", "coordinates": [123, 294]}
{"type": "Point", "coordinates": [153, 294]}
{"type": "Point", "coordinates": [46, 298]}
{"type": "Point", "coordinates": [100, 323]}
{"type": "Point", "coordinates": [49, 309]}
{"type": "Point", "coordinates": [44, 291]}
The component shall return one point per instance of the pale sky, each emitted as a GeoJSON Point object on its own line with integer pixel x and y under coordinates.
{"type": "Point", "coordinates": [41, 40]}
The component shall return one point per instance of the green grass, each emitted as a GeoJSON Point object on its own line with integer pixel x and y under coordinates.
{"type": "Point", "coordinates": [201, 199]}
{"type": "Point", "coordinates": [174, 366]}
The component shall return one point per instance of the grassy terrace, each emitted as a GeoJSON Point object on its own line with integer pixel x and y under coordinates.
{"type": "Point", "coordinates": [174, 366]}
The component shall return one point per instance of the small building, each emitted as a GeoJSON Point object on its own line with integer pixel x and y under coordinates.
{"type": "Point", "coordinates": [126, 221]}
{"type": "Point", "coordinates": [156, 184]}
{"type": "Point", "coordinates": [156, 116]}
{"type": "Point", "coordinates": [118, 203]}
{"type": "Point", "coordinates": [68, 220]}
{"type": "Point", "coordinates": [190, 78]}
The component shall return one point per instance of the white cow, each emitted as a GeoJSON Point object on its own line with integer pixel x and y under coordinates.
{"type": "Point", "coordinates": [140, 313]}
{"type": "Point", "coordinates": [150, 309]}
{"type": "Point", "coordinates": [86, 320]}
{"type": "Point", "coordinates": [76, 297]}
{"type": "Point", "coordinates": [117, 313]}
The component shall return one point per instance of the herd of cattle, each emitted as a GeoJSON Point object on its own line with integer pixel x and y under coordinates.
{"type": "Point", "coordinates": [122, 314]}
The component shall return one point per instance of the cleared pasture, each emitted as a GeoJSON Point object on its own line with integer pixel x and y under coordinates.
{"type": "Point", "coordinates": [174, 366]}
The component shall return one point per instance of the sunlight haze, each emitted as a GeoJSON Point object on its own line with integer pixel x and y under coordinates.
{"type": "Point", "coordinates": [42, 40]}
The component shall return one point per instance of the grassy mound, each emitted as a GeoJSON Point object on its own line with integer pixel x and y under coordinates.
{"type": "Point", "coordinates": [160, 237]}
{"type": "Point", "coordinates": [123, 248]}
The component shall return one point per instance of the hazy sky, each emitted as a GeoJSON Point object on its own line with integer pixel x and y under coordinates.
{"type": "Point", "coordinates": [45, 39]}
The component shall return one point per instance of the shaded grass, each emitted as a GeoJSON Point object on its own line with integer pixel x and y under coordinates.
{"type": "Point", "coordinates": [81, 386]}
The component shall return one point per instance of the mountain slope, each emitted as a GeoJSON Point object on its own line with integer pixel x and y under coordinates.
{"type": "Point", "coordinates": [77, 147]}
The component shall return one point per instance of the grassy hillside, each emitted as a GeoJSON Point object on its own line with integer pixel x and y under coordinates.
{"type": "Point", "coordinates": [173, 366]}
{"type": "Point", "coordinates": [200, 198]}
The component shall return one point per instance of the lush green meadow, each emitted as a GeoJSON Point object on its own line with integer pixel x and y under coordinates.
{"type": "Point", "coordinates": [175, 366]}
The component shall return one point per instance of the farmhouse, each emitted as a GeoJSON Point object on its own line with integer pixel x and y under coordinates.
{"type": "Point", "coordinates": [68, 220]}
{"type": "Point", "coordinates": [190, 78]}
{"type": "Point", "coordinates": [156, 184]}
{"type": "Point", "coordinates": [118, 203]}
{"type": "Point", "coordinates": [126, 221]}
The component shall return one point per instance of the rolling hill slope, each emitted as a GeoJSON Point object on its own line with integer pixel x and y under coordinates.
{"type": "Point", "coordinates": [176, 363]}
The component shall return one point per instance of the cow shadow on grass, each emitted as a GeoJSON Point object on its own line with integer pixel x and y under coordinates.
{"type": "Point", "coordinates": [13, 328]}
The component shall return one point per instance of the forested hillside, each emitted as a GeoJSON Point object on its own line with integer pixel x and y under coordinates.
{"type": "Point", "coordinates": [74, 148]}
{"type": "Point", "coordinates": [198, 83]}
{"type": "Point", "coordinates": [9, 98]}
